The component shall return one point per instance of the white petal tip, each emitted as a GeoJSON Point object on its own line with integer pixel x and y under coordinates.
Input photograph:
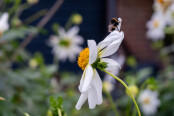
{"type": "Point", "coordinates": [92, 107]}
{"type": "Point", "coordinates": [78, 107]}
{"type": "Point", "coordinates": [99, 103]}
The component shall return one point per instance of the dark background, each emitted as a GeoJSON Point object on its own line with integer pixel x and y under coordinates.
{"type": "Point", "coordinates": [94, 25]}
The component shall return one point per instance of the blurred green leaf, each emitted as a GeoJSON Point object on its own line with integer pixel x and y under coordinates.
{"type": "Point", "coordinates": [17, 33]}
{"type": "Point", "coordinates": [131, 61]}
{"type": "Point", "coordinates": [157, 44]}
{"type": "Point", "coordinates": [60, 101]}
{"type": "Point", "coordinates": [56, 106]}
{"type": "Point", "coordinates": [55, 28]}
{"type": "Point", "coordinates": [169, 30]}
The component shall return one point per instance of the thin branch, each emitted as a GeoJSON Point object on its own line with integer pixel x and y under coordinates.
{"type": "Point", "coordinates": [41, 24]}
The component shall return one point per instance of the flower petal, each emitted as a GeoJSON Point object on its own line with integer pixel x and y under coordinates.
{"type": "Point", "coordinates": [115, 35]}
{"type": "Point", "coordinates": [78, 40]}
{"type": "Point", "coordinates": [92, 98]}
{"type": "Point", "coordinates": [53, 41]}
{"type": "Point", "coordinates": [61, 32]}
{"type": "Point", "coordinates": [112, 64]}
{"type": "Point", "coordinates": [81, 100]}
{"type": "Point", "coordinates": [4, 26]}
{"type": "Point", "coordinates": [88, 78]}
{"type": "Point", "coordinates": [119, 26]}
{"type": "Point", "coordinates": [92, 51]}
{"type": "Point", "coordinates": [73, 31]}
{"type": "Point", "coordinates": [112, 48]}
{"type": "Point", "coordinates": [82, 80]}
{"type": "Point", "coordinates": [97, 83]}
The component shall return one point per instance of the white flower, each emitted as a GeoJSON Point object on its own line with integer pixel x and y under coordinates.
{"type": "Point", "coordinates": [90, 83]}
{"type": "Point", "coordinates": [4, 26]}
{"type": "Point", "coordinates": [149, 101]}
{"type": "Point", "coordinates": [170, 15]}
{"type": "Point", "coordinates": [156, 26]}
{"type": "Point", "coordinates": [66, 45]}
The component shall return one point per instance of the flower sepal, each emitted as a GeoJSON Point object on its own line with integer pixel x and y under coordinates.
{"type": "Point", "coordinates": [100, 65]}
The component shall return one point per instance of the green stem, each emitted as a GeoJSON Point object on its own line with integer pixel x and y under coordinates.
{"type": "Point", "coordinates": [128, 108]}
{"type": "Point", "coordinates": [68, 23]}
{"type": "Point", "coordinates": [127, 90]}
{"type": "Point", "coordinates": [114, 108]}
{"type": "Point", "coordinates": [134, 112]}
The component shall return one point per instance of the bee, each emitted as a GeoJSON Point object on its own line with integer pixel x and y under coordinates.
{"type": "Point", "coordinates": [114, 25]}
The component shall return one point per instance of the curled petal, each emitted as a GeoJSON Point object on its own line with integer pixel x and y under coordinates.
{"type": "Point", "coordinates": [112, 48]}
{"type": "Point", "coordinates": [87, 79]}
{"type": "Point", "coordinates": [81, 100]}
{"type": "Point", "coordinates": [92, 51]}
{"type": "Point", "coordinates": [115, 35]}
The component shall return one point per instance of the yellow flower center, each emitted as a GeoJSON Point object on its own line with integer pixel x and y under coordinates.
{"type": "Point", "coordinates": [83, 58]}
{"type": "Point", "coordinates": [146, 101]}
{"type": "Point", "coordinates": [156, 24]}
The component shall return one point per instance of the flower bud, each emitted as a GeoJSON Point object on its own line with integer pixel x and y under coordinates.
{"type": "Point", "coordinates": [16, 22]}
{"type": "Point", "coordinates": [33, 63]}
{"type": "Point", "coordinates": [133, 89]}
{"type": "Point", "coordinates": [32, 1]}
{"type": "Point", "coordinates": [77, 19]}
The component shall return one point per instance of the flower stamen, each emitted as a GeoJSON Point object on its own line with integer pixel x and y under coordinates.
{"type": "Point", "coordinates": [83, 58]}
{"type": "Point", "coordinates": [156, 24]}
{"type": "Point", "coordinates": [146, 101]}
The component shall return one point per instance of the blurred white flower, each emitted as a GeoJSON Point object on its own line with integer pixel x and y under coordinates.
{"type": "Point", "coordinates": [4, 26]}
{"type": "Point", "coordinates": [149, 101]}
{"type": "Point", "coordinates": [170, 15]}
{"type": "Point", "coordinates": [90, 83]}
{"type": "Point", "coordinates": [156, 26]}
{"type": "Point", "coordinates": [108, 86]}
{"type": "Point", "coordinates": [66, 45]}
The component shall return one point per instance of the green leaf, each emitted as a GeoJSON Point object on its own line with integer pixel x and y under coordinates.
{"type": "Point", "coordinates": [60, 101]}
